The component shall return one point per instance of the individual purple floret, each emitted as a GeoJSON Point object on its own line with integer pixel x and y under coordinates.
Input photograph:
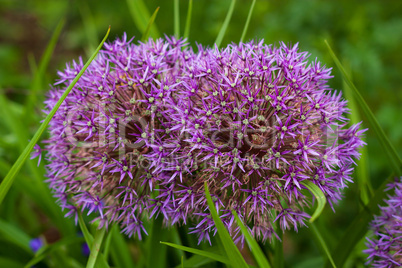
{"type": "Point", "coordinates": [385, 245]}
{"type": "Point", "coordinates": [35, 244]}
{"type": "Point", "coordinates": [148, 124]}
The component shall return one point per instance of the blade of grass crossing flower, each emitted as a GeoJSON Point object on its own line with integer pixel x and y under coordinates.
{"type": "Point", "coordinates": [176, 15]}
{"type": "Point", "coordinates": [233, 253]}
{"type": "Point", "coordinates": [188, 20]}
{"type": "Point", "coordinates": [358, 228]}
{"type": "Point", "coordinates": [119, 251]}
{"type": "Point", "coordinates": [391, 152]}
{"type": "Point", "coordinates": [9, 179]}
{"type": "Point", "coordinates": [204, 253]}
{"type": "Point", "coordinates": [361, 168]}
{"type": "Point", "coordinates": [150, 23]}
{"type": "Point", "coordinates": [37, 82]}
{"type": "Point", "coordinates": [225, 24]}
{"type": "Point", "coordinates": [250, 12]}
{"type": "Point", "coordinates": [323, 245]}
{"type": "Point", "coordinates": [140, 15]}
{"type": "Point", "coordinates": [95, 248]}
{"type": "Point", "coordinates": [254, 247]}
{"type": "Point", "coordinates": [319, 195]}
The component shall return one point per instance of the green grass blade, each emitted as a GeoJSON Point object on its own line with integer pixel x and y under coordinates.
{"type": "Point", "coordinates": [323, 245]}
{"type": "Point", "coordinates": [188, 20]}
{"type": "Point", "coordinates": [279, 261]}
{"type": "Point", "coordinates": [87, 235]}
{"type": "Point", "coordinates": [359, 227]}
{"type": "Point", "coordinates": [203, 253]}
{"type": "Point", "coordinates": [37, 82]}
{"type": "Point", "coordinates": [153, 244]}
{"type": "Point", "coordinates": [15, 235]}
{"type": "Point", "coordinates": [176, 15]}
{"type": "Point", "coordinates": [233, 253]}
{"type": "Point", "coordinates": [195, 261]}
{"type": "Point", "coordinates": [9, 179]}
{"type": "Point", "coordinates": [150, 23]}
{"type": "Point", "coordinates": [247, 21]}
{"type": "Point", "coordinates": [319, 195]}
{"type": "Point", "coordinates": [225, 24]}
{"type": "Point", "coordinates": [391, 152]}
{"type": "Point", "coordinates": [140, 15]}
{"type": "Point", "coordinates": [95, 248]}
{"type": "Point", "coordinates": [361, 169]}
{"type": "Point", "coordinates": [119, 251]}
{"type": "Point", "coordinates": [254, 247]}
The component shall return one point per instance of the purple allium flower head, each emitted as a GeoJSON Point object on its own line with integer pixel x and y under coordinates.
{"type": "Point", "coordinates": [148, 124]}
{"type": "Point", "coordinates": [385, 245]}
{"type": "Point", "coordinates": [254, 121]}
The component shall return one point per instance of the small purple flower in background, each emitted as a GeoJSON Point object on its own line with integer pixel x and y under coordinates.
{"type": "Point", "coordinates": [85, 249]}
{"type": "Point", "coordinates": [148, 124]}
{"type": "Point", "coordinates": [385, 245]}
{"type": "Point", "coordinates": [35, 244]}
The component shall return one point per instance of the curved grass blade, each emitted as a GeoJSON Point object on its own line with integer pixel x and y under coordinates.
{"type": "Point", "coordinates": [319, 195]}
{"type": "Point", "coordinates": [361, 169]}
{"type": "Point", "coordinates": [176, 15]}
{"type": "Point", "coordinates": [9, 179]}
{"type": "Point", "coordinates": [188, 20]}
{"type": "Point", "coordinates": [233, 253]}
{"type": "Point", "coordinates": [39, 74]}
{"type": "Point", "coordinates": [391, 152]}
{"type": "Point", "coordinates": [322, 243]}
{"type": "Point", "coordinates": [150, 23]}
{"type": "Point", "coordinates": [140, 15]}
{"type": "Point", "coordinates": [153, 244]}
{"type": "Point", "coordinates": [15, 235]}
{"type": "Point", "coordinates": [247, 21]}
{"type": "Point", "coordinates": [95, 248]}
{"type": "Point", "coordinates": [358, 228]}
{"type": "Point", "coordinates": [204, 253]}
{"type": "Point", "coordinates": [254, 247]}
{"type": "Point", "coordinates": [225, 24]}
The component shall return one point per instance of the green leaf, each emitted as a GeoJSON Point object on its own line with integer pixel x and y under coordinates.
{"type": "Point", "coordinates": [195, 261]}
{"type": "Point", "coordinates": [95, 248]}
{"type": "Point", "coordinates": [204, 253]}
{"type": "Point", "coordinates": [225, 24]}
{"type": "Point", "coordinates": [393, 156]}
{"type": "Point", "coordinates": [250, 12]}
{"type": "Point", "coordinates": [10, 263]}
{"type": "Point", "coordinates": [176, 15]}
{"type": "Point", "coordinates": [37, 82]}
{"type": "Point", "coordinates": [9, 179]}
{"type": "Point", "coordinates": [254, 247]}
{"type": "Point", "coordinates": [319, 195]}
{"type": "Point", "coordinates": [188, 20]}
{"type": "Point", "coordinates": [324, 246]}
{"type": "Point", "coordinates": [150, 23]}
{"type": "Point", "coordinates": [358, 228]}
{"type": "Point", "coordinates": [141, 17]}
{"type": "Point", "coordinates": [233, 253]}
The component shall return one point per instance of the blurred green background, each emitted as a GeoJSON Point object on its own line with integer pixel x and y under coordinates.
{"type": "Point", "coordinates": [366, 36]}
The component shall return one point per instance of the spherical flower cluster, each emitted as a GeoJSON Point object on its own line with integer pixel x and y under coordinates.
{"type": "Point", "coordinates": [385, 247]}
{"type": "Point", "coordinates": [148, 124]}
